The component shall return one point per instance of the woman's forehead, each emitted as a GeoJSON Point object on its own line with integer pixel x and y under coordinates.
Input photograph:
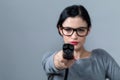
{"type": "Point", "coordinates": [74, 22]}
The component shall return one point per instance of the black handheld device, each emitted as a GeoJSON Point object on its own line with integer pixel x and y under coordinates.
{"type": "Point", "coordinates": [68, 50]}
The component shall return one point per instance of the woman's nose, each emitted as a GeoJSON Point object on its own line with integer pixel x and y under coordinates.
{"type": "Point", "coordinates": [74, 35]}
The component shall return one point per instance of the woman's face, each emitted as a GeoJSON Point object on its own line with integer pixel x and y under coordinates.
{"type": "Point", "coordinates": [75, 23]}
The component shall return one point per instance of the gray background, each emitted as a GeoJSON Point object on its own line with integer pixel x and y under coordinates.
{"type": "Point", "coordinates": [28, 30]}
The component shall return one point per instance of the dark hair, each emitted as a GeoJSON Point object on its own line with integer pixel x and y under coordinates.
{"type": "Point", "coordinates": [73, 11]}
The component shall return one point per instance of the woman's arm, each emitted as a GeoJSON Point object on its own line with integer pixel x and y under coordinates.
{"type": "Point", "coordinates": [113, 69]}
{"type": "Point", "coordinates": [48, 63]}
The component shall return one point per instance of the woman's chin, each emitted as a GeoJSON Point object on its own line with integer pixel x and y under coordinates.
{"type": "Point", "coordinates": [76, 47]}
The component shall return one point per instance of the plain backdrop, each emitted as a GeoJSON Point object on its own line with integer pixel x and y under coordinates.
{"type": "Point", "coordinates": [28, 30]}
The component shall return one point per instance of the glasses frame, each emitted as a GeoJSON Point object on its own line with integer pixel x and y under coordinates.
{"type": "Point", "coordinates": [75, 30]}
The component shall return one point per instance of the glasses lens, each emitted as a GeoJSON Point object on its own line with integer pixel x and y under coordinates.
{"type": "Point", "coordinates": [67, 31]}
{"type": "Point", "coordinates": [82, 31]}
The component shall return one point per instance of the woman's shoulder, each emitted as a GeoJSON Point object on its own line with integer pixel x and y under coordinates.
{"type": "Point", "coordinates": [101, 53]}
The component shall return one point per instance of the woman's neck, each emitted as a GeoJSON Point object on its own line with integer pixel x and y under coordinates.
{"type": "Point", "coordinates": [81, 53]}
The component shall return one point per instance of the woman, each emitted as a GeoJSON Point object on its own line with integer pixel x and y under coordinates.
{"type": "Point", "coordinates": [74, 25]}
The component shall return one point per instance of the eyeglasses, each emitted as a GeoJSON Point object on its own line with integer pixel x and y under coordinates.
{"type": "Point", "coordinates": [82, 31]}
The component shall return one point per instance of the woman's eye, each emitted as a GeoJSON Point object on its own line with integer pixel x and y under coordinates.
{"type": "Point", "coordinates": [81, 30]}
{"type": "Point", "coordinates": [68, 29]}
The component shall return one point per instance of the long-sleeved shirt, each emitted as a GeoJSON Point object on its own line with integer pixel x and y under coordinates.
{"type": "Point", "coordinates": [99, 66]}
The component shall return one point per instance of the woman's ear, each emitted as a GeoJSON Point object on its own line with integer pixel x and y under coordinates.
{"type": "Point", "coordinates": [60, 30]}
{"type": "Point", "coordinates": [89, 30]}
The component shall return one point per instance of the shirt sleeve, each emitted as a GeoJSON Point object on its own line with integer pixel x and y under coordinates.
{"type": "Point", "coordinates": [48, 63]}
{"type": "Point", "coordinates": [112, 68]}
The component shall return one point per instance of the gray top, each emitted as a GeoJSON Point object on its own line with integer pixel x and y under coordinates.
{"type": "Point", "coordinates": [99, 66]}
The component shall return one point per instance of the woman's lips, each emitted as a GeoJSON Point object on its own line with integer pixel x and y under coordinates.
{"type": "Point", "coordinates": [74, 43]}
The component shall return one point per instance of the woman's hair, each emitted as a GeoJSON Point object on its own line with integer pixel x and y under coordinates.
{"type": "Point", "coordinates": [73, 11]}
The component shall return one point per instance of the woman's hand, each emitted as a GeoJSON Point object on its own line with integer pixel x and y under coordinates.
{"type": "Point", "coordinates": [60, 62]}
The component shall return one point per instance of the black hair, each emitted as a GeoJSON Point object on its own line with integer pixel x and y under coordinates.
{"type": "Point", "coordinates": [73, 11]}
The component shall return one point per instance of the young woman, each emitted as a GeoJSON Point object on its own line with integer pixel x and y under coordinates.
{"type": "Point", "coordinates": [74, 25]}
